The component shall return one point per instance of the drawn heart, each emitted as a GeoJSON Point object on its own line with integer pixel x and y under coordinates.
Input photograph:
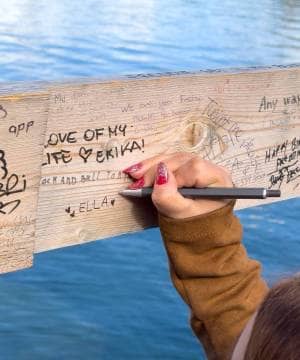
{"type": "Point", "coordinates": [68, 210]}
{"type": "Point", "coordinates": [85, 153]}
{"type": "Point", "coordinates": [112, 201]}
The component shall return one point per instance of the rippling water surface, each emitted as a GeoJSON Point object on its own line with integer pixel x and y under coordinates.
{"type": "Point", "coordinates": [113, 299]}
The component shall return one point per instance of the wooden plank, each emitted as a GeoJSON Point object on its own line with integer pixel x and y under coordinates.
{"type": "Point", "coordinates": [22, 120]}
{"type": "Point", "coordinates": [235, 119]}
{"type": "Point", "coordinates": [246, 120]}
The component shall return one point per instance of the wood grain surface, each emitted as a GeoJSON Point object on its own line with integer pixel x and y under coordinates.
{"type": "Point", "coordinates": [88, 131]}
{"type": "Point", "coordinates": [22, 123]}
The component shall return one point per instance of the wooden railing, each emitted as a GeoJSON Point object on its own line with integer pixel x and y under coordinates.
{"type": "Point", "coordinates": [63, 145]}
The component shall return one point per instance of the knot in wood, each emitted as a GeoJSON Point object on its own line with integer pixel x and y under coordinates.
{"type": "Point", "coordinates": [193, 135]}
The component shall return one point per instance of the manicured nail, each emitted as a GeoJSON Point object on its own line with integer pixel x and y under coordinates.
{"type": "Point", "coordinates": [161, 174]}
{"type": "Point", "coordinates": [133, 168]}
{"type": "Point", "coordinates": [137, 184]}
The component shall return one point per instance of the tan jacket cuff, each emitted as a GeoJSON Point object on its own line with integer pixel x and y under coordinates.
{"type": "Point", "coordinates": [210, 229]}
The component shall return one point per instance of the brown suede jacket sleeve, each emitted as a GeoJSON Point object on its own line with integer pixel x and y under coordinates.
{"type": "Point", "coordinates": [213, 274]}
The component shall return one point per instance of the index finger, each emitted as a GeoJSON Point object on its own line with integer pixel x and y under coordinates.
{"type": "Point", "coordinates": [202, 173]}
{"type": "Point", "coordinates": [173, 161]}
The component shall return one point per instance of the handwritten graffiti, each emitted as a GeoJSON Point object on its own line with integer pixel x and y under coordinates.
{"type": "Point", "coordinates": [87, 206]}
{"type": "Point", "coordinates": [10, 184]}
{"type": "Point", "coordinates": [21, 128]}
{"type": "Point", "coordinates": [286, 158]}
{"type": "Point", "coordinates": [100, 154]}
{"type": "Point", "coordinates": [3, 112]}
{"type": "Point", "coordinates": [3, 165]}
{"type": "Point", "coordinates": [288, 173]}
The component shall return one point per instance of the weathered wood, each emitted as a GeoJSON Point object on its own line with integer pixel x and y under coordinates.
{"type": "Point", "coordinates": [246, 120]}
{"type": "Point", "coordinates": [22, 121]}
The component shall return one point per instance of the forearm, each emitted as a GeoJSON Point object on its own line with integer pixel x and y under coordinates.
{"type": "Point", "coordinates": [213, 274]}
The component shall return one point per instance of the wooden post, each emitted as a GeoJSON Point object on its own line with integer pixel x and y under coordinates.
{"type": "Point", "coordinates": [22, 120]}
{"type": "Point", "coordinates": [245, 120]}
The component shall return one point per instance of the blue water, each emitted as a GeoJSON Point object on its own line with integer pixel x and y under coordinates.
{"type": "Point", "coordinates": [113, 299]}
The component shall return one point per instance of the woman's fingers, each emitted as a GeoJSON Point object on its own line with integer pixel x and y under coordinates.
{"type": "Point", "coordinates": [144, 172]}
{"type": "Point", "coordinates": [179, 170]}
{"type": "Point", "coordinates": [165, 195]}
{"type": "Point", "coordinates": [198, 172]}
{"type": "Point", "coordinates": [189, 170]}
{"type": "Point", "coordinates": [202, 173]}
{"type": "Point", "coordinates": [139, 169]}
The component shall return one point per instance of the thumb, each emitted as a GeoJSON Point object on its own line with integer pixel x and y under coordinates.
{"type": "Point", "coordinates": [165, 195]}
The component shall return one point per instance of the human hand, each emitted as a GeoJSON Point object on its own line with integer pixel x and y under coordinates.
{"type": "Point", "coordinates": [167, 173]}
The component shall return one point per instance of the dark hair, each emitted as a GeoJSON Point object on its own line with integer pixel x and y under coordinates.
{"type": "Point", "coordinates": [276, 331]}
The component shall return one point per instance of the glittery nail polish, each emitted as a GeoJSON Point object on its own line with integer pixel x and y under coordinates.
{"type": "Point", "coordinates": [133, 168]}
{"type": "Point", "coordinates": [161, 174]}
{"type": "Point", "coordinates": [137, 184]}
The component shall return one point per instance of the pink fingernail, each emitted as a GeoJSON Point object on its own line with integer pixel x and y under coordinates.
{"type": "Point", "coordinates": [133, 168]}
{"type": "Point", "coordinates": [161, 174]}
{"type": "Point", "coordinates": [137, 184]}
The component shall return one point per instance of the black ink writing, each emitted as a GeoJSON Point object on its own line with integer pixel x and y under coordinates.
{"type": "Point", "coordinates": [3, 165]}
{"type": "Point", "coordinates": [9, 185]}
{"type": "Point", "coordinates": [288, 173]}
{"type": "Point", "coordinates": [273, 104]}
{"type": "Point", "coordinates": [287, 158]}
{"type": "Point", "coordinates": [99, 175]}
{"type": "Point", "coordinates": [91, 153]}
{"type": "Point", "coordinates": [58, 157]}
{"type": "Point", "coordinates": [292, 100]}
{"type": "Point", "coordinates": [3, 112]}
{"type": "Point", "coordinates": [295, 143]}
{"type": "Point", "coordinates": [274, 151]}
{"type": "Point", "coordinates": [88, 206]}
{"type": "Point", "coordinates": [55, 139]}
{"type": "Point", "coordinates": [20, 128]}
{"type": "Point", "coordinates": [85, 153]}
{"type": "Point", "coordinates": [117, 151]}
{"type": "Point", "coordinates": [91, 205]}
{"type": "Point", "coordinates": [266, 104]}
{"type": "Point", "coordinates": [89, 135]}
{"type": "Point", "coordinates": [117, 130]}
{"type": "Point", "coordinates": [93, 134]}
{"type": "Point", "coordinates": [68, 210]}
{"type": "Point", "coordinates": [280, 150]}
{"type": "Point", "coordinates": [121, 150]}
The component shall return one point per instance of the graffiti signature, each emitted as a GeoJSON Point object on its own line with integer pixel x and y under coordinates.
{"type": "Point", "coordinates": [9, 185]}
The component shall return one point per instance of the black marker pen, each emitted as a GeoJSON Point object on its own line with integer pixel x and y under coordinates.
{"type": "Point", "coordinates": [212, 192]}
